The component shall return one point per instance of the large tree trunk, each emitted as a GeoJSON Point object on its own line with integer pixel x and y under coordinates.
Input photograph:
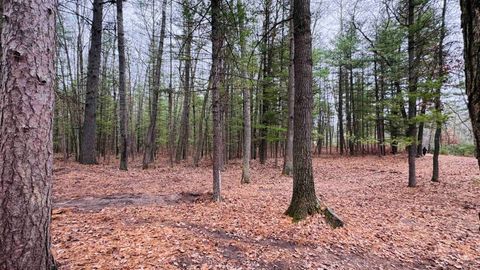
{"type": "Point", "coordinates": [288, 159]}
{"type": "Point", "coordinates": [88, 140]}
{"type": "Point", "coordinates": [26, 149]}
{"type": "Point", "coordinates": [121, 88]}
{"type": "Point", "coordinates": [304, 200]}
{"type": "Point", "coordinates": [471, 38]}
{"type": "Point", "coordinates": [412, 99]}
{"type": "Point", "coordinates": [217, 43]}
{"type": "Point", "coordinates": [149, 154]}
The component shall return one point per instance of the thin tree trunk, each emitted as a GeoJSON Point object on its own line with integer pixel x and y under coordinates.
{"type": "Point", "coordinates": [438, 101]}
{"type": "Point", "coordinates": [149, 154]}
{"type": "Point", "coordinates": [121, 88]}
{"type": "Point", "coordinates": [217, 43]}
{"type": "Point", "coordinates": [26, 149]}
{"type": "Point", "coordinates": [288, 159]}
{"type": "Point", "coordinates": [412, 99]}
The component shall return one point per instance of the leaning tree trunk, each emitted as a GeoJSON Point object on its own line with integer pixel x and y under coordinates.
{"type": "Point", "coordinates": [471, 38]}
{"type": "Point", "coordinates": [217, 43]}
{"type": "Point", "coordinates": [88, 142]}
{"type": "Point", "coordinates": [121, 88]}
{"type": "Point", "coordinates": [304, 200]}
{"type": "Point", "coordinates": [149, 154]}
{"type": "Point", "coordinates": [26, 149]}
{"type": "Point", "coordinates": [288, 159]}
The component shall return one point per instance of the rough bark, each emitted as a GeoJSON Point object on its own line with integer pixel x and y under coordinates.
{"type": "Point", "coordinates": [26, 124]}
{"type": "Point", "coordinates": [122, 88]}
{"type": "Point", "coordinates": [288, 159]}
{"type": "Point", "coordinates": [149, 154]}
{"type": "Point", "coordinates": [304, 200]}
{"type": "Point", "coordinates": [88, 141]}
{"type": "Point", "coordinates": [217, 43]}
{"type": "Point", "coordinates": [471, 38]}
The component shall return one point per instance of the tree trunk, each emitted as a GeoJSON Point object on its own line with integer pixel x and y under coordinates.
{"type": "Point", "coordinates": [471, 37]}
{"type": "Point", "coordinates": [247, 120]}
{"type": "Point", "coordinates": [182, 147]}
{"type": "Point", "coordinates": [149, 154]}
{"type": "Point", "coordinates": [340, 111]}
{"type": "Point", "coordinates": [412, 99]}
{"type": "Point", "coordinates": [121, 88]}
{"type": "Point", "coordinates": [304, 200]}
{"type": "Point", "coordinates": [88, 141]}
{"type": "Point", "coordinates": [288, 159]}
{"type": "Point", "coordinates": [438, 101]}
{"type": "Point", "coordinates": [26, 149]}
{"type": "Point", "coordinates": [217, 43]}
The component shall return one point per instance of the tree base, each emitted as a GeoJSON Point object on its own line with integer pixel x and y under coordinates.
{"type": "Point", "coordinates": [299, 212]}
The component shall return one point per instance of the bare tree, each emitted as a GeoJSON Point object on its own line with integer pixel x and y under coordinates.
{"type": "Point", "coordinates": [121, 88]}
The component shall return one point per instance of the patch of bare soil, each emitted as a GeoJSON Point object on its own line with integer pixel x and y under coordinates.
{"type": "Point", "coordinates": [162, 218]}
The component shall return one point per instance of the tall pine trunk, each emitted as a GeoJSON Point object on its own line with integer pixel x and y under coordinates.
{"type": "Point", "coordinates": [288, 159]}
{"type": "Point", "coordinates": [412, 99]}
{"type": "Point", "coordinates": [471, 38]}
{"type": "Point", "coordinates": [150, 146]}
{"type": "Point", "coordinates": [438, 101]}
{"type": "Point", "coordinates": [122, 88]}
{"type": "Point", "coordinates": [26, 148]}
{"type": "Point", "coordinates": [217, 43]}
{"type": "Point", "coordinates": [88, 140]}
{"type": "Point", "coordinates": [304, 200]}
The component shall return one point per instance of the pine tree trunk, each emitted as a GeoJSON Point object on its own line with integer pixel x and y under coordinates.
{"type": "Point", "coordinates": [182, 147]}
{"type": "Point", "coordinates": [149, 154]}
{"type": "Point", "coordinates": [304, 200]}
{"type": "Point", "coordinates": [217, 43]}
{"type": "Point", "coordinates": [471, 37]}
{"type": "Point", "coordinates": [438, 101]}
{"type": "Point", "coordinates": [288, 159]}
{"type": "Point", "coordinates": [26, 148]}
{"type": "Point", "coordinates": [122, 88]}
{"type": "Point", "coordinates": [412, 99]}
{"type": "Point", "coordinates": [88, 140]}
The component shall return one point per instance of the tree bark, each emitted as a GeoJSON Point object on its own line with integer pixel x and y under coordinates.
{"type": "Point", "coordinates": [26, 123]}
{"type": "Point", "coordinates": [412, 99]}
{"type": "Point", "coordinates": [304, 200]}
{"type": "Point", "coordinates": [288, 159]}
{"type": "Point", "coordinates": [122, 88]}
{"type": "Point", "coordinates": [149, 154]}
{"type": "Point", "coordinates": [89, 140]}
{"type": "Point", "coordinates": [217, 43]}
{"type": "Point", "coordinates": [438, 101]}
{"type": "Point", "coordinates": [471, 38]}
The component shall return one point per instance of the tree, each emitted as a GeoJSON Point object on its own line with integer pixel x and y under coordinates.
{"type": "Point", "coordinates": [471, 37]}
{"type": "Point", "coordinates": [149, 153]}
{"type": "Point", "coordinates": [304, 200]}
{"type": "Point", "coordinates": [88, 139]}
{"type": "Point", "coordinates": [215, 76]}
{"type": "Point", "coordinates": [412, 98]}
{"type": "Point", "coordinates": [122, 88]}
{"type": "Point", "coordinates": [26, 148]}
{"type": "Point", "coordinates": [288, 160]}
{"type": "Point", "coordinates": [247, 120]}
{"type": "Point", "coordinates": [437, 99]}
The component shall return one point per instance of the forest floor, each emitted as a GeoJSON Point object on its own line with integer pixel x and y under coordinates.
{"type": "Point", "coordinates": [162, 218]}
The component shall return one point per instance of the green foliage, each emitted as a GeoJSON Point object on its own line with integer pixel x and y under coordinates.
{"type": "Point", "coordinates": [465, 150]}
